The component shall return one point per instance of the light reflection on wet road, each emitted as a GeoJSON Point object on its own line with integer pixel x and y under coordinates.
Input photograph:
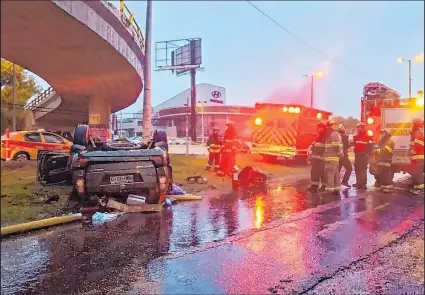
{"type": "Point", "coordinates": [121, 256]}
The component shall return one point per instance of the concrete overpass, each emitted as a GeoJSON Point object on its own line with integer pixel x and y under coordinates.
{"type": "Point", "coordinates": [88, 51]}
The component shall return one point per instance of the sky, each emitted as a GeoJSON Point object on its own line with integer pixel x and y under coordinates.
{"type": "Point", "coordinates": [256, 60]}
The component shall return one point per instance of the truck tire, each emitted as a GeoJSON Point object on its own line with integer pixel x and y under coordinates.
{"type": "Point", "coordinates": [81, 135]}
{"type": "Point", "coordinates": [152, 196]}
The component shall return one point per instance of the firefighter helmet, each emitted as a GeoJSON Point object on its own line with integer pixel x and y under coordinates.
{"type": "Point", "coordinates": [386, 132]}
{"type": "Point", "coordinates": [418, 122]}
{"type": "Point", "coordinates": [341, 128]}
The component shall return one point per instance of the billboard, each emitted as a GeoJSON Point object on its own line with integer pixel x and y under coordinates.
{"type": "Point", "coordinates": [187, 55]}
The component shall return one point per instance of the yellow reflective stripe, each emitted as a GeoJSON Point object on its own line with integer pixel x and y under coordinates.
{"type": "Point", "coordinates": [389, 148]}
{"type": "Point", "coordinates": [384, 164]}
{"type": "Point", "coordinates": [336, 143]}
{"type": "Point", "coordinates": [332, 159]}
{"type": "Point", "coordinates": [419, 142]}
{"type": "Point", "coordinates": [362, 142]}
{"type": "Point", "coordinates": [378, 150]}
{"type": "Point", "coordinates": [319, 144]}
{"type": "Point", "coordinates": [417, 157]}
{"type": "Point", "coordinates": [420, 186]}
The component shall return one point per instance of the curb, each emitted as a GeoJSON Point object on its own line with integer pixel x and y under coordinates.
{"type": "Point", "coordinates": [38, 224]}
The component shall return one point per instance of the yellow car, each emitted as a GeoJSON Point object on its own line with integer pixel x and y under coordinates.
{"type": "Point", "coordinates": [24, 145]}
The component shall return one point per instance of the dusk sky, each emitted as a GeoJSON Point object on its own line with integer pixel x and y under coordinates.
{"type": "Point", "coordinates": [258, 61]}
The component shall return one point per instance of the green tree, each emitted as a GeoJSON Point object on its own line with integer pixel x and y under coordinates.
{"type": "Point", "coordinates": [26, 87]}
{"type": "Point", "coordinates": [350, 123]}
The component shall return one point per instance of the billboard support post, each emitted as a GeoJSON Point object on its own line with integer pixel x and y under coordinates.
{"type": "Point", "coordinates": [184, 57]}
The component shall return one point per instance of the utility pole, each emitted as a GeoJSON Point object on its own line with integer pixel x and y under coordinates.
{"type": "Point", "coordinates": [187, 127]}
{"type": "Point", "coordinates": [311, 91]}
{"type": "Point", "coordinates": [147, 109]}
{"type": "Point", "coordinates": [14, 97]}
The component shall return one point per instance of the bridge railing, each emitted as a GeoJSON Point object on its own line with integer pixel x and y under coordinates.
{"type": "Point", "coordinates": [39, 99]}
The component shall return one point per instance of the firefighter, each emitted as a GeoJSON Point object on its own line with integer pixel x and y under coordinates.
{"type": "Point", "coordinates": [332, 154]}
{"type": "Point", "coordinates": [384, 155]}
{"type": "Point", "coordinates": [345, 161]}
{"type": "Point", "coordinates": [362, 147]}
{"type": "Point", "coordinates": [316, 159]}
{"type": "Point", "coordinates": [228, 149]}
{"type": "Point", "coordinates": [416, 153]}
{"type": "Point", "coordinates": [214, 146]}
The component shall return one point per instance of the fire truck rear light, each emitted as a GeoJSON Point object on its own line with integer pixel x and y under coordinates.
{"type": "Point", "coordinates": [330, 117]}
{"type": "Point", "coordinates": [319, 116]}
{"type": "Point", "coordinates": [370, 120]}
{"type": "Point", "coordinates": [297, 110]}
{"type": "Point", "coordinates": [258, 121]}
{"type": "Point", "coordinates": [285, 109]}
{"type": "Point", "coordinates": [420, 102]}
{"type": "Point", "coordinates": [370, 132]}
{"type": "Point", "coordinates": [291, 109]}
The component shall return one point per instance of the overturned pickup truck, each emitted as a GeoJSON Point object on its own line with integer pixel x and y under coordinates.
{"type": "Point", "coordinates": [100, 170]}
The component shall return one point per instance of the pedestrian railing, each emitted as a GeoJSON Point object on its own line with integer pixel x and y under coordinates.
{"type": "Point", "coordinates": [39, 99]}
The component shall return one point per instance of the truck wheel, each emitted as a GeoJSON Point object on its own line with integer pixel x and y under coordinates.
{"type": "Point", "coordinates": [21, 157]}
{"type": "Point", "coordinates": [153, 196]}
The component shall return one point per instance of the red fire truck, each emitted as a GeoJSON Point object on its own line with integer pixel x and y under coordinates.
{"type": "Point", "coordinates": [284, 131]}
{"type": "Point", "coordinates": [382, 107]}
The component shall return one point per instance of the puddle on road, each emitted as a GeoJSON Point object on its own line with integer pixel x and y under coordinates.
{"type": "Point", "coordinates": [79, 259]}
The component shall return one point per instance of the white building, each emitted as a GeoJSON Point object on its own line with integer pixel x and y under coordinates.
{"type": "Point", "coordinates": [206, 94]}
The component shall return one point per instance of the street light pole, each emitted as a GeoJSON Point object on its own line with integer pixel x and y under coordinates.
{"type": "Point", "coordinates": [311, 91]}
{"type": "Point", "coordinates": [147, 113]}
{"type": "Point", "coordinates": [410, 78]}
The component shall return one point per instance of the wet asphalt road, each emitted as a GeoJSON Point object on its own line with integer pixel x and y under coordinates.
{"type": "Point", "coordinates": [285, 242]}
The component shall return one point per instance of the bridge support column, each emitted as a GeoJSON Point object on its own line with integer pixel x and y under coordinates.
{"type": "Point", "coordinates": [99, 116]}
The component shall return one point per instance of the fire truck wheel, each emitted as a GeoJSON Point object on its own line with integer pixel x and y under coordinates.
{"type": "Point", "coordinates": [21, 157]}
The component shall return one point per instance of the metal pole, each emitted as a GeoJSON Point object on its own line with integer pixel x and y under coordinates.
{"type": "Point", "coordinates": [410, 78]}
{"type": "Point", "coordinates": [14, 97]}
{"type": "Point", "coordinates": [311, 90]}
{"type": "Point", "coordinates": [147, 109]}
{"type": "Point", "coordinates": [120, 133]}
{"type": "Point", "coordinates": [202, 122]}
{"type": "Point", "coordinates": [187, 127]}
{"type": "Point", "coordinates": [193, 103]}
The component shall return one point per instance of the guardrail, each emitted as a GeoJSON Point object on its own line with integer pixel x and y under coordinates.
{"type": "Point", "coordinates": [127, 18]}
{"type": "Point", "coordinates": [39, 99]}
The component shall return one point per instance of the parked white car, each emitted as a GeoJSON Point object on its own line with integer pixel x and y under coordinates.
{"type": "Point", "coordinates": [177, 141]}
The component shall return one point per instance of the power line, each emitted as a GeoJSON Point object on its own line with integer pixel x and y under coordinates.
{"type": "Point", "coordinates": [315, 49]}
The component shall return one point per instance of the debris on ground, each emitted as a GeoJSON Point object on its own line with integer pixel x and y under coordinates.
{"type": "Point", "coordinates": [52, 199]}
{"type": "Point", "coordinates": [99, 218]}
{"type": "Point", "coordinates": [176, 190]}
{"type": "Point", "coordinates": [197, 178]}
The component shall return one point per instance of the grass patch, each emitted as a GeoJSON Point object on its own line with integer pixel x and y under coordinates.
{"type": "Point", "coordinates": [23, 199]}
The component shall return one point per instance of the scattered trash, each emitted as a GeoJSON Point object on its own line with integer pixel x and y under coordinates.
{"type": "Point", "coordinates": [197, 178]}
{"type": "Point", "coordinates": [168, 202]}
{"type": "Point", "coordinates": [112, 204]}
{"type": "Point", "coordinates": [52, 199]}
{"type": "Point", "coordinates": [176, 190]}
{"type": "Point", "coordinates": [100, 218]}
{"type": "Point", "coordinates": [135, 200]}
{"type": "Point", "coordinates": [89, 210]}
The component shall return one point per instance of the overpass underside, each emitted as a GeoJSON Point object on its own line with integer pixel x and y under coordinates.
{"type": "Point", "coordinates": [64, 43]}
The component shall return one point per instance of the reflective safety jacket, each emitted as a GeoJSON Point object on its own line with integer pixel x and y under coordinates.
{"type": "Point", "coordinates": [333, 147]}
{"type": "Point", "coordinates": [214, 144]}
{"type": "Point", "coordinates": [318, 147]}
{"type": "Point", "coordinates": [384, 152]}
{"type": "Point", "coordinates": [230, 143]}
{"type": "Point", "coordinates": [417, 145]}
{"type": "Point", "coordinates": [362, 143]}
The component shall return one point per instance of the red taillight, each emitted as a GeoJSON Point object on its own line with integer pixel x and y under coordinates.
{"type": "Point", "coordinates": [330, 117]}
{"type": "Point", "coordinates": [319, 116]}
{"type": "Point", "coordinates": [370, 120]}
{"type": "Point", "coordinates": [258, 121]}
{"type": "Point", "coordinates": [291, 109]}
{"type": "Point", "coordinates": [370, 133]}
